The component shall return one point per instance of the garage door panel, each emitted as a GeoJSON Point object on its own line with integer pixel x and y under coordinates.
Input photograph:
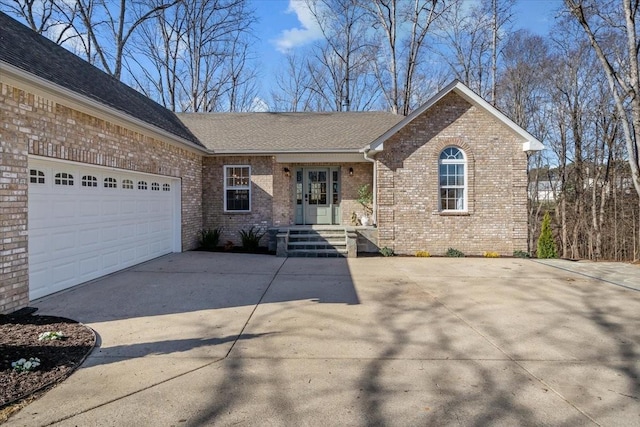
{"type": "Point", "coordinates": [89, 208]}
{"type": "Point", "coordinates": [88, 237]}
{"type": "Point", "coordinates": [80, 233]}
{"type": "Point", "coordinates": [142, 206]}
{"type": "Point", "coordinates": [128, 256]}
{"type": "Point", "coordinates": [109, 234]}
{"type": "Point", "coordinates": [38, 246]}
{"type": "Point", "coordinates": [64, 272]}
{"type": "Point", "coordinates": [110, 208]}
{"type": "Point", "coordinates": [64, 240]}
{"type": "Point", "coordinates": [63, 209]}
{"type": "Point", "coordinates": [110, 260]}
{"type": "Point", "coordinates": [128, 207]}
{"type": "Point", "coordinates": [89, 266]}
{"type": "Point", "coordinates": [37, 278]}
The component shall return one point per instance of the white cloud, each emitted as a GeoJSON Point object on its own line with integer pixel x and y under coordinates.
{"type": "Point", "coordinates": [259, 105]}
{"type": "Point", "coordinates": [306, 33]}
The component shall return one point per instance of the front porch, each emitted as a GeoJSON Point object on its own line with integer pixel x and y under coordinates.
{"type": "Point", "coordinates": [323, 241]}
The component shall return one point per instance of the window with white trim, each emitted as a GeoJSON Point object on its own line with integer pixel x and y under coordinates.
{"type": "Point", "coordinates": [36, 176]}
{"type": "Point", "coordinates": [142, 185]}
{"type": "Point", "coordinates": [166, 187]}
{"type": "Point", "coordinates": [452, 180]}
{"type": "Point", "coordinates": [63, 178]}
{"type": "Point", "coordinates": [237, 188]}
{"type": "Point", "coordinates": [155, 186]}
{"type": "Point", "coordinates": [110, 182]}
{"type": "Point", "coordinates": [127, 184]}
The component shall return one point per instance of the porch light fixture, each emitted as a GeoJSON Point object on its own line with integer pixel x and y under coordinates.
{"type": "Point", "coordinates": [287, 172]}
{"type": "Point", "coordinates": [350, 171]}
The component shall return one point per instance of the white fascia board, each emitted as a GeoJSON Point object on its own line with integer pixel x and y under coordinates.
{"type": "Point", "coordinates": [18, 77]}
{"type": "Point", "coordinates": [350, 157]}
{"type": "Point", "coordinates": [530, 144]}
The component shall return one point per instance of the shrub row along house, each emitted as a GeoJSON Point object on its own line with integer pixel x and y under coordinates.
{"type": "Point", "coordinates": [95, 177]}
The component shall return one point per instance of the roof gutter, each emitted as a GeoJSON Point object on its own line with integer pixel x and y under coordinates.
{"type": "Point", "coordinates": [17, 76]}
{"type": "Point", "coordinates": [276, 152]}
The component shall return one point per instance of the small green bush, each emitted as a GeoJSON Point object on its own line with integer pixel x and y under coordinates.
{"type": "Point", "coordinates": [521, 254]}
{"type": "Point", "coordinates": [546, 242]}
{"type": "Point", "coordinates": [454, 253]}
{"type": "Point", "coordinates": [209, 238]}
{"type": "Point", "coordinates": [387, 251]}
{"type": "Point", "coordinates": [251, 239]}
{"type": "Point", "coordinates": [423, 254]}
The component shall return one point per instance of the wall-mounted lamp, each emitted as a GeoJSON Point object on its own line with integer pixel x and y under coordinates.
{"type": "Point", "coordinates": [287, 172]}
{"type": "Point", "coordinates": [350, 171]}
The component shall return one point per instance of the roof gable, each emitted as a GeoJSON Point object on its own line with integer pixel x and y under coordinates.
{"type": "Point", "coordinates": [530, 142]}
{"type": "Point", "coordinates": [28, 51]}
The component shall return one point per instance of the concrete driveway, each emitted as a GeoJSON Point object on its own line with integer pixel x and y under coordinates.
{"type": "Point", "coordinates": [206, 338]}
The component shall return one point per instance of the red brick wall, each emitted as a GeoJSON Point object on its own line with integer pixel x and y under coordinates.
{"type": "Point", "coordinates": [409, 218]}
{"type": "Point", "coordinates": [33, 124]}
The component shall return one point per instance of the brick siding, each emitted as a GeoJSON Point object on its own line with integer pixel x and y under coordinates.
{"type": "Point", "coordinates": [409, 218]}
{"type": "Point", "coordinates": [262, 200]}
{"type": "Point", "coordinates": [272, 193]}
{"type": "Point", "coordinates": [36, 125]}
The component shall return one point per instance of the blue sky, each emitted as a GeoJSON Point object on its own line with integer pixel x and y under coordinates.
{"type": "Point", "coordinates": [283, 25]}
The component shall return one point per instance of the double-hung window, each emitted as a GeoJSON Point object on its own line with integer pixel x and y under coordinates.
{"type": "Point", "coordinates": [237, 188]}
{"type": "Point", "coordinates": [452, 173]}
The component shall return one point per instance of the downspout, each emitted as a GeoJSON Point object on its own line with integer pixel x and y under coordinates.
{"type": "Point", "coordinates": [375, 186]}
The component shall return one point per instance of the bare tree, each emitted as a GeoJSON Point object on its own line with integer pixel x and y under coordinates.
{"type": "Point", "coordinates": [51, 18]}
{"type": "Point", "coordinates": [38, 14]}
{"type": "Point", "coordinates": [292, 92]}
{"type": "Point", "coordinates": [501, 14]}
{"type": "Point", "coordinates": [524, 96]}
{"type": "Point", "coordinates": [464, 43]}
{"type": "Point", "coordinates": [108, 26]}
{"type": "Point", "coordinates": [340, 70]}
{"type": "Point", "coordinates": [611, 27]}
{"type": "Point", "coordinates": [200, 53]}
{"type": "Point", "coordinates": [403, 26]}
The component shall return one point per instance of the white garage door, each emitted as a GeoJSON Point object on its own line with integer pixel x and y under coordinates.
{"type": "Point", "coordinates": [88, 221]}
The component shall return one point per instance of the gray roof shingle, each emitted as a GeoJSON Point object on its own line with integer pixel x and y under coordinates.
{"type": "Point", "coordinates": [288, 132]}
{"type": "Point", "coordinates": [31, 52]}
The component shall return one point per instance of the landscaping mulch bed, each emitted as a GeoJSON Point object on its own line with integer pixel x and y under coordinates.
{"type": "Point", "coordinates": [58, 358]}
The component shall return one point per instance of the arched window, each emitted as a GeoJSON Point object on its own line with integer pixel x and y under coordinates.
{"type": "Point", "coordinates": [36, 176]}
{"type": "Point", "coordinates": [453, 180]}
{"type": "Point", "coordinates": [89, 181]}
{"type": "Point", "coordinates": [110, 183]}
{"type": "Point", "coordinates": [63, 178]}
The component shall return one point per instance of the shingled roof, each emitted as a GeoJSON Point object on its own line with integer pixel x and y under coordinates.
{"type": "Point", "coordinates": [25, 49]}
{"type": "Point", "coordinates": [288, 132]}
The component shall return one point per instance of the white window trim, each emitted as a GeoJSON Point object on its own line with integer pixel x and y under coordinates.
{"type": "Point", "coordinates": [226, 187]}
{"type": "Point", "coordinates": [465, 188]}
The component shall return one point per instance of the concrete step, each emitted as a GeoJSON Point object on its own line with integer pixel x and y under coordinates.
{"type": "Point", "coordinates": [317, 245]}
{"type": "Point", "coordinates": [319, 239]}
{"type": "Point", "coordinates": [317, 253]}
{"type": "Point", "coordinates": [317, 242]}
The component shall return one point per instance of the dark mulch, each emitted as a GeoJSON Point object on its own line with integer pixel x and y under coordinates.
{"type": "Point", "coordinates": [58, 358]}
